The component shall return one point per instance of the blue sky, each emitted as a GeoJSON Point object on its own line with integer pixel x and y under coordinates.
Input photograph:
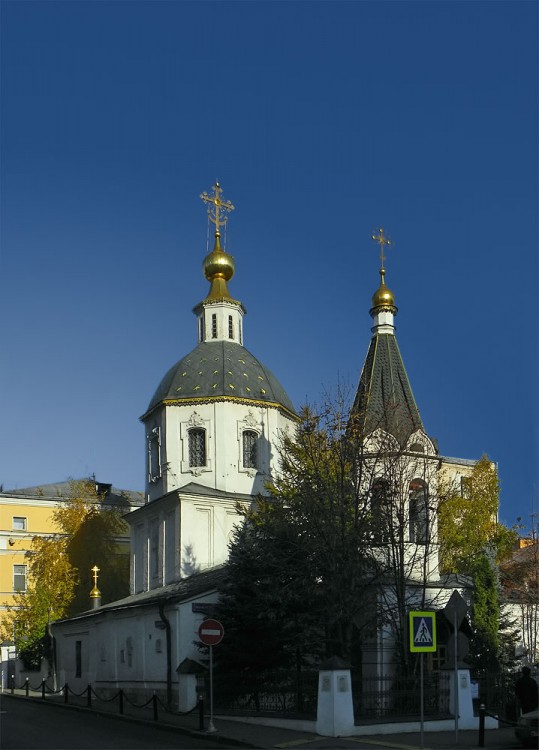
{"type": "Point", "coordinates": [323, 121]}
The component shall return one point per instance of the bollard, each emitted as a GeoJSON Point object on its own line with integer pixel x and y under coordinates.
{"type": "Point", "coordinates": [66, 691]}
{"type": "Point", "coordinates": [27, 686]}
{"type": "Point", "coordinates": [482, 725]}
{"type": "Point", "coordinates": [154, 703]}
{"type": "Point", "coordinates": [89, 696]}
{"type": "Point", "coordinates": [121, 701]}
{"type": "Point", "coordinates": [201, 713]}
{"type": "Point", "coordinates": [43, 689]}
{"type": "Point", "coordinates": [12, 684]}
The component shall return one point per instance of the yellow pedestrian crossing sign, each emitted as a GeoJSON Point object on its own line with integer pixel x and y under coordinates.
{"type": "Point", "coordinates": [422, 631]}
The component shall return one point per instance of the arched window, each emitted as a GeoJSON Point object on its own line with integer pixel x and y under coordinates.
{"type": "Point", "coordinates": [197, 447]}
{"type": "Point", "coordinates": [250, 449]}
{"type": "Point", "coordinates": [380, 511]}
{"type": "Point", "coordinates": [154, 460]}
{"type": "Point", "coordinates": [419, 511]}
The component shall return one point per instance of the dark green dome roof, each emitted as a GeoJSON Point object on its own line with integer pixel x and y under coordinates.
{"type": "Point", "coordinates": [221, 369]}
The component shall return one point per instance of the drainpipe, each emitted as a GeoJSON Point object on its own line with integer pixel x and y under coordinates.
{"type": "Point", "coordinates": [166, 622]}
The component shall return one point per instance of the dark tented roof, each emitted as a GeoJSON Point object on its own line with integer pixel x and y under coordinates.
{"type": "Point", "coordinates": [384, 397]}
{"type": "Point", "coordinates": [217, 369]}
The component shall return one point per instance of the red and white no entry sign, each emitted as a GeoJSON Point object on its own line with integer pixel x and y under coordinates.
{"type": "Point", "coordinates": [211, 632]}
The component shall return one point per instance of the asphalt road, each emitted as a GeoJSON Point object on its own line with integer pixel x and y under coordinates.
{"type": "Point", "coordinates": [27, 725]}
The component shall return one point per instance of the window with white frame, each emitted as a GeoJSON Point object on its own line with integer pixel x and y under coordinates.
{"type": "Point", "coordinates": [19, 523]}
{"type": "Point", "coordinates": [19, 577]}
{"type": "Point", "coordinates": [196, 444]}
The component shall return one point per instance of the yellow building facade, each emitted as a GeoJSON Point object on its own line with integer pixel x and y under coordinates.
{"type": "Point", "coordinates": [29, 513]}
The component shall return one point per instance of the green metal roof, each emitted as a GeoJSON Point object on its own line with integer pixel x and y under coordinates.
{"type": "Point", "coordinates": [220, 369]}
{"type": "Point", "coordinates": [384, 397]}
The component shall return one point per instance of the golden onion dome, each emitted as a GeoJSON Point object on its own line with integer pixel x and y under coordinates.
{"type": "Point", "coordinates": [218, 267]}
{"type": "Point", "coordinates": [383, 297]}
{"type": "Point", "coordinates": [218, 264]}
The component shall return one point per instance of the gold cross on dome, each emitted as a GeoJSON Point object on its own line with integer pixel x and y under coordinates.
{"type": "Point", "coordinates": [381, 240]}
{"type": "Point", "coordinates": [95, 571]}
{"type": "Point", "coordinates": [217, 208]}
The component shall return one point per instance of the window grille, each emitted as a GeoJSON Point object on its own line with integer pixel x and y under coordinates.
{"type": "Point", "coordinates": [250, 449]}
{"type": "Point", "coordinates": [214, 326]}
{"type": "Point", "coordinates": [197, 447]}
{"type": "Point", "coordinates": [230, 327]}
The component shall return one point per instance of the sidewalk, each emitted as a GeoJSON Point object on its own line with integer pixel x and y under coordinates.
{"type": "Point", "coordinates": [236, 733]}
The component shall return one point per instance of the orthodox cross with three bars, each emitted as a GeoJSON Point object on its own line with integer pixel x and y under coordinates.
{"type": "Point", "coordinates": [381, 240]}
{"type": "Point", "coordinates": [217, 208]}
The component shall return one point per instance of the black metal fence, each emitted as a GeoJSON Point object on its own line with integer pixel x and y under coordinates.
{"type": "Point", "coordinates": [296, 695]}
{"type": "Point", "coordinates": [398, 696]}
{"type": "Point", "coordinates": [291, 693]}
{"type": "Point", "coordinates": [496, 691]}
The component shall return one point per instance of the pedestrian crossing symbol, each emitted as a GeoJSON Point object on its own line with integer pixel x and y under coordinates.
{"type": "Point", "coordinates": [422, 631]}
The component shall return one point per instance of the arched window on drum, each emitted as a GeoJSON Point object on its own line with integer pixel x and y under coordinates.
{"type": "Point", "coordinates": [381, 517]}
{"type": "Point", "coordinates": [250, 449]}
{"type": "Point", "coordinates": [197, 447]}
{"type": "Point", "coordinates": [419, 511]}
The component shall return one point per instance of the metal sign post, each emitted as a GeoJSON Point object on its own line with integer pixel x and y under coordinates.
{"type": "Point", "coordinates": [455, 612]}
{"type": "Point", "coordinates": [422, 628]}
{"type": "Point", "coordinates": [211, 632]}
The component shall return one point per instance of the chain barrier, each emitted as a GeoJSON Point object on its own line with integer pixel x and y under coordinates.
{"type": "Point", "coordinates": [502, 721]}
{"type": "Point", "coordinates": [89, 692]}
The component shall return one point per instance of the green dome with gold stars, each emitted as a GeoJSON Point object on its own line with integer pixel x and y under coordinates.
{"type": "Point", "coordinates": [217, 371]}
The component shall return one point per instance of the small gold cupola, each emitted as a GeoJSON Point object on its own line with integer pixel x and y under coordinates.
{"type": "Point", "coordinates": [383, 299]}
{"type": "Point", "coordinates": [218, 266]}
{"type": "Point", "coordinates": [95, 593]}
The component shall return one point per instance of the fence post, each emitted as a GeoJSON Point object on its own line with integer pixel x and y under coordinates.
{"type": "Point", "coordinates": [89, 696]}
{"type": "Point", "coordinates": [66, 691]}
{"type": "Point", "coordinates": [201, 713]}
{"type": "Point", "coordinates": [27, 686]}
{"type": "Point", "coordinates": [43, 689]}
{"type": "Point", "coordinates": [121, 701]}
{"type": "Point", "coordinates": [482, 725]}
{"type": "Point", "coordinates": [154, 703]}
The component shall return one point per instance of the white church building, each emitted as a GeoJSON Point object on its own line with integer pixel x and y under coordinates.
{"type": "Point", "coordinates": [213, 427]}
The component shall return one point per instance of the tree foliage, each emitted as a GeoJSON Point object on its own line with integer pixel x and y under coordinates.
{"type": "Point", "coordinates": [53, 581]}
{"type": "Point", "coordinates": [520, 583]}
{"type": "Point", "coordinates": [468, 521]}
{"type": "Point", "coordinates": [474, 543]}
{"type": "Point", "coordinates": [297, 577]}
{"type": "Point", "coordinates": [318, 566]}
{"type": "Point", "coordinates": [91, 528]}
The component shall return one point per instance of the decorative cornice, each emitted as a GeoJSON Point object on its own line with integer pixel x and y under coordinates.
{"type": "Point", "coordinates": [192, 400]}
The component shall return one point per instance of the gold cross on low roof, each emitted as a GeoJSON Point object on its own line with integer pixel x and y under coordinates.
{"type": "Point", "coordinates": [381, 240]}
{"type": "Point", "coordinates": [217, 208]}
